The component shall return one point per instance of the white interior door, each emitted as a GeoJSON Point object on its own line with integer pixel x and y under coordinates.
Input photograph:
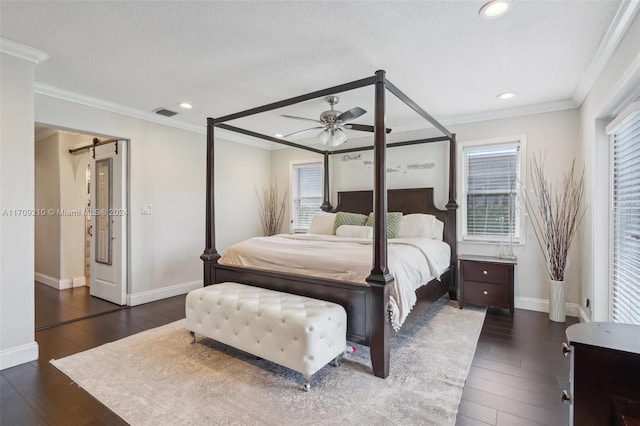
{"type": "Point", "coordinates": [108, 209]}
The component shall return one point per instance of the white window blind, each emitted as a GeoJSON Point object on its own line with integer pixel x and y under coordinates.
{"type": "Point", "coordinates": [625, 286]}
{"type": "Point", "coordinates": [491, 176]}
{"type": "Point", "coordinates": [307, 194]}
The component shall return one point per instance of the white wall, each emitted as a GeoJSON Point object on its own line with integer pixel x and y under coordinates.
{"type": "Point", "coordinates": [555, 134]}
{"type": "Point", "coordinates": [47, 196]}
{"type": "Point", "coordinates": [60, 186]}
{"type": "Point", "coordinates": [17, 170]}
{"type": "Point", "coordinates": [616, 86]}
{"type": "Point", "coordinates": [167, 170]}
{"type": "Point", "coordinates": [73, 198]}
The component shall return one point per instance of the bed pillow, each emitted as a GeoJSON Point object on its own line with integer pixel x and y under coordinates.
{"type": "Point", "coordinates": [393, 223]}
{"type": "Point", "coordinates": [344, 218]}
{"type": "Point", "coordinates": [354, 231]}
{"type": "Point", "coordinates": [416, 225]}
{"type": "Point", "coordinates": [437, 230]}
{"type": "Point", "coordinates": [322, 224]}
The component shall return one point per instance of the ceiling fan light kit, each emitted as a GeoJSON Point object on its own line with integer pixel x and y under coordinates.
{"type": "Point", "coordinates": [333, 137]}
{"type": "Point", "coordinates": [333, 123]}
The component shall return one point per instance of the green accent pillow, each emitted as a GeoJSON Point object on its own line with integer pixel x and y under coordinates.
{"type": "Point", "coordinates": [393, 223]}
{"type": "Point", "coordinates": [343, 218]}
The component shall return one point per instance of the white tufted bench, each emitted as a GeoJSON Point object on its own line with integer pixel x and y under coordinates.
{"type": "Point", "coordinates": [297, 332]}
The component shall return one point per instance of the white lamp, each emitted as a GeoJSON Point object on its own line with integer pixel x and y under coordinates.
{"type": "Point", "coordinates": [332, 137]}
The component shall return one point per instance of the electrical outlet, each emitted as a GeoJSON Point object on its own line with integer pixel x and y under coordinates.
{"type": "Point", "coordinates": [147, 209]}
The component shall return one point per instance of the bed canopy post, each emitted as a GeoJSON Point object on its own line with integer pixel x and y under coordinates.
{"type": "Point", "coordinates": [452, 206]}
{"type": "Point", "coordinates": [326, 205]}
{"type": "Point", "coordinates": [380, 278]}
{"type": "Point", "coordinates": [210, 254]}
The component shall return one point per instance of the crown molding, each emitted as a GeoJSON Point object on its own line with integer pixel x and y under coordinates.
{"type": "Point", "coordinates": [511, 112]}
{"type": "Point", "coordinates": [65, 95]}
{"type": "Point", "coordinates": [615, 33]}
{"type": "Point", "coordinates": [21, 51]}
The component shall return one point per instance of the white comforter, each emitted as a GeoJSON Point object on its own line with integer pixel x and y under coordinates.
{"type": "Point", "coordinates": [412, 261]}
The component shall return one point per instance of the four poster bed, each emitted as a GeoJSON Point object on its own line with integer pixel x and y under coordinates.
{"type": "Point", "coordinates": [367, 304]}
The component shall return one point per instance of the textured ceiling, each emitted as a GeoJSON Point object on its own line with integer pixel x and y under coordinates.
{"type": "Point", "coordinates": [228, 56]}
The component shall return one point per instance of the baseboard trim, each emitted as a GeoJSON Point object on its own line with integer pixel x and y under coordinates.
{"type": "Point", "coordinates": [583, 315]}
{"type": "Point", "coordinates": [162, 293]}
{"type": "Point", "coordinates": [47, 280]}
{"type": "Point", "coordinates": [18, 355]}
{"type": "Point", "coordinates": [62, 284]}
{"type": "Point", "coordinates": [542, 305]}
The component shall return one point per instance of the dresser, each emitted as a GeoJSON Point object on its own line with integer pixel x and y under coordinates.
{"type": "Point", "coordinates": [604, 375]}
{"type": "Point", "coordinates": [486, 281]}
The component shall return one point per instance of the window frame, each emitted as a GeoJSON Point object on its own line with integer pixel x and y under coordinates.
{"type": "Point", "coordinates": [292, 197]}
{"type": "Point", "coordinates": [629, 113]}
{"type": "Point", "coordinates": [463, 237]}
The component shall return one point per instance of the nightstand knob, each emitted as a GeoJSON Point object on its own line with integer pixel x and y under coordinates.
{"type": "Point", "coordinates": [485, 292]}
{"type": "Point", "coordinates": [484, 272]}
{"type": "Point", "coordinates": [565, 349]}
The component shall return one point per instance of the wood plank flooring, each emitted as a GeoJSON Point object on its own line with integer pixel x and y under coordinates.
{"type": "Point", "coordinates": [517, 374]}
{"type": "Point", "coordinates": [58, 306]}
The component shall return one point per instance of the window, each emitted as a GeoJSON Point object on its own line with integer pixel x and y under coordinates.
{"type": "Point", "coordinates": [491, 173]}
{"type": "Point", "coordinates": [306, 194]}
{"type": "Point", "coordinates": [625, 215]}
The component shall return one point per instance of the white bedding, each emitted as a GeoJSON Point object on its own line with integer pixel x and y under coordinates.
{"type": "Point", "coordinates": [412, 261]}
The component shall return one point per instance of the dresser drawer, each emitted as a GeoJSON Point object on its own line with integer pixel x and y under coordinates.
{"type": "Point", "coordinates": [486, 294]}
{"type": "Point", "coordinates": [485, 272]}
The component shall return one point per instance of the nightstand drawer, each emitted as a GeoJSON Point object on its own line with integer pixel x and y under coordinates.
{"type": "Point", "coordinates": [485, 272]}
{"type": "Point", "coordinates": [486, 294]}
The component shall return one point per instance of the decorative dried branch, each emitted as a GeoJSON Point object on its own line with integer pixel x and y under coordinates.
{"type": "Point", "coordinates": [555, 213]}
{"type": "Point", "coordinates": [271, 209]}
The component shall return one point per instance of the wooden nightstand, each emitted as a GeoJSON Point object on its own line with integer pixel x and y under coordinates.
{"type": "Point", "coordinates": [486, 281]}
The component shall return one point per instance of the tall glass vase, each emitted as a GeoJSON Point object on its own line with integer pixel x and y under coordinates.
{"type": "Point", "coordinates": [557, 301]}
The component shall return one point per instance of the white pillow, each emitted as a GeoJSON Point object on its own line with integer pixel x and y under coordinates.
{"type": "Point", "coordinates": [322, 224]}
{"type": "Point", "coordinates": [416, 225]}
{"type": "Point", "coordinates": [437, 229]}
{"type": "Point", "coordinates": [354, 231]}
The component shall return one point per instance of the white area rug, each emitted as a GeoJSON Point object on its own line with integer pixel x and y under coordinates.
{"type": "Point", "coordinates": [158, 378]}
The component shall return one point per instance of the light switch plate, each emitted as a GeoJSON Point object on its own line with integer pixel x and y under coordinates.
{"type": "Point", "coordinates": [147, 209]}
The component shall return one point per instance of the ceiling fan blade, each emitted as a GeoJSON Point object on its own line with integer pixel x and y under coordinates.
{"type": "Point", "coordinates": [303, 131]}
{"type": "Point", "coordinates": [352, 114]}
{"type": "Point", "coordinates": [301, 118]}
{"type": "Point", "coordinates": [362, 127]}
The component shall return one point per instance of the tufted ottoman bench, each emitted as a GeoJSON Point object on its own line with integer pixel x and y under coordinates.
{"type": "Point", "coordinates": [297, 332]}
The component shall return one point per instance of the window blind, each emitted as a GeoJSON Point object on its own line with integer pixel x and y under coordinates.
{"type": "Point", "coordinates": [625, 287]}
{"type": "Point", "coordinates": [491, 184]}
{"type": "Point", "coordinates": [307, 194]}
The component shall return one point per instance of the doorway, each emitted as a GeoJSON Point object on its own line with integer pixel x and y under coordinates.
{"type": "Point", "coordinates": [65, 259]}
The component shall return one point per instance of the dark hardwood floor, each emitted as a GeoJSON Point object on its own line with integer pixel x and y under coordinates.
{"type": "Point", "coordinates": [517, 374]}
{"type": "Point", "coordinates": [58, 306]}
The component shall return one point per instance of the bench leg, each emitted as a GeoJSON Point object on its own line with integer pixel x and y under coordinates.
{"type": "Point", "coordinates": [307, 382]}
{"type": "Point", "coordinates": [193, 336]}
{"type": "Point", "coordinates": [336, 361]}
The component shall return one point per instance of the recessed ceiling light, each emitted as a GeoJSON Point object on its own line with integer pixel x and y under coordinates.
{"type": "Point", "coordinates": [507, 95]}
{"type": "Point", "coordinates": [494, 9]}
{"type": "Point", "coordinates": [185, 105]}
{"type": "Point", "coordinates": [278, 135]}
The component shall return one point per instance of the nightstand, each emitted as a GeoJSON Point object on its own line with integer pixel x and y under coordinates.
{"type": "Point", "coordinates": [486, 281]}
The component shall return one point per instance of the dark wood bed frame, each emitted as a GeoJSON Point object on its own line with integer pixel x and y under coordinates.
{"type": "Point", "coordinates": [366, 305]}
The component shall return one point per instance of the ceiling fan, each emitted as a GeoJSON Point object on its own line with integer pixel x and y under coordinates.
{"type": "Point", "coordinates": [333, 124]}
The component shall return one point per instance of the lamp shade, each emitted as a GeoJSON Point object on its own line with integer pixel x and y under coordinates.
{"type": "Point", "coordinates": [332, 137]}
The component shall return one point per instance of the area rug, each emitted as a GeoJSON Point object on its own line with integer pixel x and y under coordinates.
{"type": "Point", "coordinates": [158, 378]}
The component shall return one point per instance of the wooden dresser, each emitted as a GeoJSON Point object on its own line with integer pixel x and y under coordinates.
{"type": "Point", "coordinates": [605, 373]}
{"type": "Point", "coordinates": [486, 281]}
